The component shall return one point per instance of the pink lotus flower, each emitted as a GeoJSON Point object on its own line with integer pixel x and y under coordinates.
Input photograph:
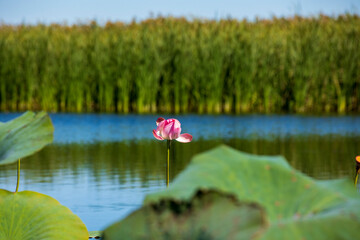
{"type": "Point", "coordinates": [170, 129]}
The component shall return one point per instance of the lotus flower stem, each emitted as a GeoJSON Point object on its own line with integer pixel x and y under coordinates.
{"type": "Point", "coordinates": [168, 163]}
{"type": "Point", "coordinates": [18, 176]}
{"type": "Point", "coordinates": [357, 168]}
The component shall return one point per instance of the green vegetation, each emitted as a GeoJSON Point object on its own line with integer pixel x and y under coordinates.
{"type": "Point", "coordinates": [176, 65]}
{"type": "Point", "coordinates": [24, 136]}
{"type": "Point", "coordinates": [296, 206]}
{"type": "Point", "coordinates": [30, 215]}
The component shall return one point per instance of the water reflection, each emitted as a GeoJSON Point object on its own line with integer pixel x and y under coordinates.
{"type": "Point", "coordinates": [101, 166]}
{"type": "Point", "coordinates": [103, 182]}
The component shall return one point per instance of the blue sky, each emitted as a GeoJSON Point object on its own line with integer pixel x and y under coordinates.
{"type": "Point", "coordinates": [75, 11]}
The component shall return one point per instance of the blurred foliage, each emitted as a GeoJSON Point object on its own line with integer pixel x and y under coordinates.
{"type": "Point", "coordinates": [176, 65]}
{"type": "Point", "coordinates": [24, 135]}
{"type": "Point", "coordinates": [207, 215]}
{"type": "Point", "coordinates": [296, 206]}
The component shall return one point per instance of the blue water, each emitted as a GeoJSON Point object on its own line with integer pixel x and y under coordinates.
{"type": "Point", "coordinates": [101, 166]}
{"type": "Point", "coordinates": [90, 128]}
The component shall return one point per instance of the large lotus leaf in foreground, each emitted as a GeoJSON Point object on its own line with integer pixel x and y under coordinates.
{"type": "Point", "coordinates": [33, 216]}
{"type": "Point", "coordinates": [24, 136]}
{"type": "Point", "coordinates": [296, 206]}
{"type": "Point", "coordinates": [207, 215]}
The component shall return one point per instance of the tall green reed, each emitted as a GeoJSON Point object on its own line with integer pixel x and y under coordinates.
{"type": "Point", "coordinates": [176, 65]}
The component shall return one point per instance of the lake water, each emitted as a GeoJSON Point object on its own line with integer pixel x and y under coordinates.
{"type": "Point", "coordinates": [102, 165]}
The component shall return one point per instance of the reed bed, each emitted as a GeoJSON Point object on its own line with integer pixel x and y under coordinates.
{"type": "Point", "coordinates": [176, 65]}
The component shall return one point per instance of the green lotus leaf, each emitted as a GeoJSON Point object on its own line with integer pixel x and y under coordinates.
{"type": "Point", "coordinates": [24, 136]}
{"type": "Point", "coordinates": [34, 216]}
{"type": "Point", "coordinates": [339, 222]}
{"type": "Point", "coordinates": [207, 215]}
{"type": "Point", "coordinates": [297, 206]}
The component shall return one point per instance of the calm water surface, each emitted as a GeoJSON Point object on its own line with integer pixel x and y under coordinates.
{"type": "Point", "coordinates": [102, 165]}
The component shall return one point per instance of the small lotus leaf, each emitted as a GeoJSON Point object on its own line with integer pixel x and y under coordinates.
{"type": "Point", "coordinates": [30, 215]}
{"type": "Point", "coordinates": [207, 215]}
{"type": "Point", "coordinates": [95, 234]}
{"type": "Point", "coordinates": [24, 136]}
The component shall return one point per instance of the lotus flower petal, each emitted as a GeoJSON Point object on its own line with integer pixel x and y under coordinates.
{"type": "Point", "coordinates": [161, 125]}
{"type": "Point", "coordinates": [159, 120]}
{"type": "Point", "coordinates": [157, 136]}
{"type": "Point", "coordinates": [175, 133]}
{"type": "Point", "coordinates": [184, 138]}
{"type": "Point", "coordinates": [176, 123]}
{"type": "Point", "coordinates": [168, 129]}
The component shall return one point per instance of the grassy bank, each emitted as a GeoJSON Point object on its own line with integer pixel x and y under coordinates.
{"type": "Point", "coordinates": [176, 65]}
